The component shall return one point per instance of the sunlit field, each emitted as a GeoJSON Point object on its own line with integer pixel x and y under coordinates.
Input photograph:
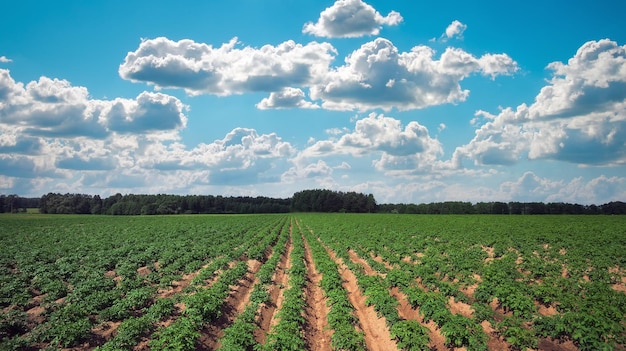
{"type": "Point", "coordinates": [312, 281]}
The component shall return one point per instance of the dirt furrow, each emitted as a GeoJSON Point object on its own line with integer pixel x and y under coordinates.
{"type": "Point", "coordinates": [276, 290]}
{"type": "Point", "coordinates": [405, 310]}
{"type": "Point", "coordinates": [235, 303]}
{"type": "Point", "coordinates": [316, 333]}
{"type": "Point", "coordinates": [377, 336]}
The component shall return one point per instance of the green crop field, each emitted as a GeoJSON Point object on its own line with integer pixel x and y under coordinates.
{"type": "Point", "coordinates": [312, 282]}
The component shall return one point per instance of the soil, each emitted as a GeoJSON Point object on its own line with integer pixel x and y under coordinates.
{"type": "Point", "coordinates": [235, 304]}
{"type": "Point", "coordinates": [406, 311]}
{"type": "Point", "coordinates": [377, 336]}
{"type": "Point", "coordinates": [178, 285]}
{"type": "Point", "coordinates": [143, 271]}
{"type": "Point", "coordinates": [546, 311]}
{"type": "Point", "coordinates": [316, 332]}
{"type": "Point", "coordinates": [460, 308]}
{"type": "Point", "coordinates": [553, 345]}
{"type": "Point", "coordinates": [358, 260]}
{"type": "Point", "coordinates": [381, 260]}
{"type": "Point", "coordinates": [276, 289]}
{"type": "Point", "coordinates": [494, 343]}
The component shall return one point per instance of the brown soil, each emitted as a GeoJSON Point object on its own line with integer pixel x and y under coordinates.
{"type": "Point", "coordinates": [546, 311]}
{"type": "Point", "coordinates": [621, 286]}
{"type": "Point", "coordinates": [178, 285]}
{"type": "Point", "coordinates": [406, 311]}
{"type": "Point", "coordinates": [377, 336]}
{"type": "Point", "coordinates": [470, 289]}
{"type": "Point", "coordinates": [35, 313]}
{"type": "Point", "coordinates": [316, 333]}
{"type": "Point", "coordinates": [381, 260]}
{"type": "Point", "coordinates": [177, 288]}
{"type": "Point", "coordinates": [494, 343]}
{"type": "Point", "coordinates": [490, 253]}
{"type": "Point", "coordinates": [460, 308]}
{"type": "Point", "coordinates": [276, 289]}
{"type": "Point", "coordinates": [235, 304]}
{"type": "Point", "coordinates": [358, 260]}
{"type": "Point", "coordinates": [143, 271]}
{"type": "Point", "coordinates": [553, 345]}
{"type": "Point", "coordinates": [105, 330]}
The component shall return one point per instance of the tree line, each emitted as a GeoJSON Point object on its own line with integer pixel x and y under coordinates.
{"type": "Point", "coordinates": [317, 200]}
{"type": "Point", "coordinates": [132, 204]}
{"type": "Point", "coordinates": [320, 200]}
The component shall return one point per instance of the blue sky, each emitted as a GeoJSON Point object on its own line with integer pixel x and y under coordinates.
{"type": "Point", "coordinates": [410, 101]}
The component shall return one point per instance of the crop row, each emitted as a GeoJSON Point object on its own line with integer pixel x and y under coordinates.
{"type": "Point", "coordinates": [161, 281]}
{"type": "Point", "coordinates": [479, 261]}
{"type": "Point", "coordinates": [239, 336]}
{"type": "Point", "coordinates": [341, 316]}
{"type": "Point", "coordinates": [91, 296]}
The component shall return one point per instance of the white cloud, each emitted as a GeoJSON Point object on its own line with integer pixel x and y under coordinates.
{"type": "Point", "coordinates": [55, 108]}
{"type": "Point", "coordinates": [349, 19]}
{"type": "Point", "coordinates": [374, 76]}
{"type": "Point", "coordinates": [530, 187]}
{"type": "Point", "coordinates": [4, 59]}
{"type": "Point", "coordinates": [454, 30]}
{"type": "Point", "coordinates": [242, 157]}
{"type": "Point", "coordinates": [314, 170]}
{"type": "Point", "coordinates": [402, 150]}
{"type": "Point", "coordinates": [378, 76]}
{"type": "Point", "coordinates": [201, 69]}
{"type": "Point", "coordinates": [286, 98]}
{"type": "Point", "coordinates": [579, 117]}
{"type": "Point", "coordinates": [599, 190]}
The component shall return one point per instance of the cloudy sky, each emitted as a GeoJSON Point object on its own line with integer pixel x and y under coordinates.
{"type": "Point", "coordinates": [410, 101]}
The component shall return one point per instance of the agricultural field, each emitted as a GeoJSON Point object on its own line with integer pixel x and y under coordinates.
{"type": "Point", "coordinates": [312, 282]}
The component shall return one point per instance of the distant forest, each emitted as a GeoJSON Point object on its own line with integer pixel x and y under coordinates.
{"type": "Point", "coordinates": [316, 200]}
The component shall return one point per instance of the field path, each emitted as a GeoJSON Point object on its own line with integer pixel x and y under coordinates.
{"type": "Point", "coordinates": [276, 290]}
{"type": "Point", "coordinates": [377, 336]}
{"type": "Point", "coordinates": [234, 305]}
{"type": "Point", "coordinates": [316, 333]}
{"type": "Point", "coordinates": [405, 310]}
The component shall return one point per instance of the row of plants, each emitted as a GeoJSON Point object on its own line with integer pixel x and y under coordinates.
{"type": "Point", "coordinates": [82, 272]}
{"type": "Point", "coordinates": [459, 331]}
{"type": "Point", "coordinates": [239, 336]}
{"type": "Point", "coordinates": [288, 333]}
{"type": "Point", "coordinates": [568, 263]}
{"type": "Point", "coordinates": [204, 305]}
{"type": "Point", "coordinates": [341, 315]}
{"type": "Point", "coordinates": [130, 332]}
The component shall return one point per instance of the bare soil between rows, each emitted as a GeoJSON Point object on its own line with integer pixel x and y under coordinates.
{"type": "Point", "coordinates": [316, 333]}
{"type": "Point", "coordinates": [276, 290]}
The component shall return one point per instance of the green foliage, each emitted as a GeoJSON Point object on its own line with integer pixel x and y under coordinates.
{"type": "Point", "coordinates": [410, 335]}
{"type": "Point", "coordinates": [514, 332]}
{"type": "Point", "coordinates": [179, 336]}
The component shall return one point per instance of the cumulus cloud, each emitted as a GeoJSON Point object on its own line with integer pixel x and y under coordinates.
{"type": "Point", "coordinates": [531, 187]}
{"type": "Point", "coordinates": [579, 117]}
{"type": "Point", "coordinates": [377, 75]}
{"type": "Point", "coordinates": [350, 19]}
{"type": "Point", "coordinates": [401, 149]}
{"type": "Point", "coordinates": [50, 128]}
{"type": "Point", "coordinates": [202, 69]}
{"type": "Point", "coordinates": [312, 170]}
{"type": "Point", "coordinates": [454, 30]}
{"type": "Point", "coordinates": [242, 157]}
{"type": "Point", "coordinates": [54, 108]}
{"type": "Point", "coordinates": [286, 98]}
{"type": "Point", "coordinates": [4, 59]}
